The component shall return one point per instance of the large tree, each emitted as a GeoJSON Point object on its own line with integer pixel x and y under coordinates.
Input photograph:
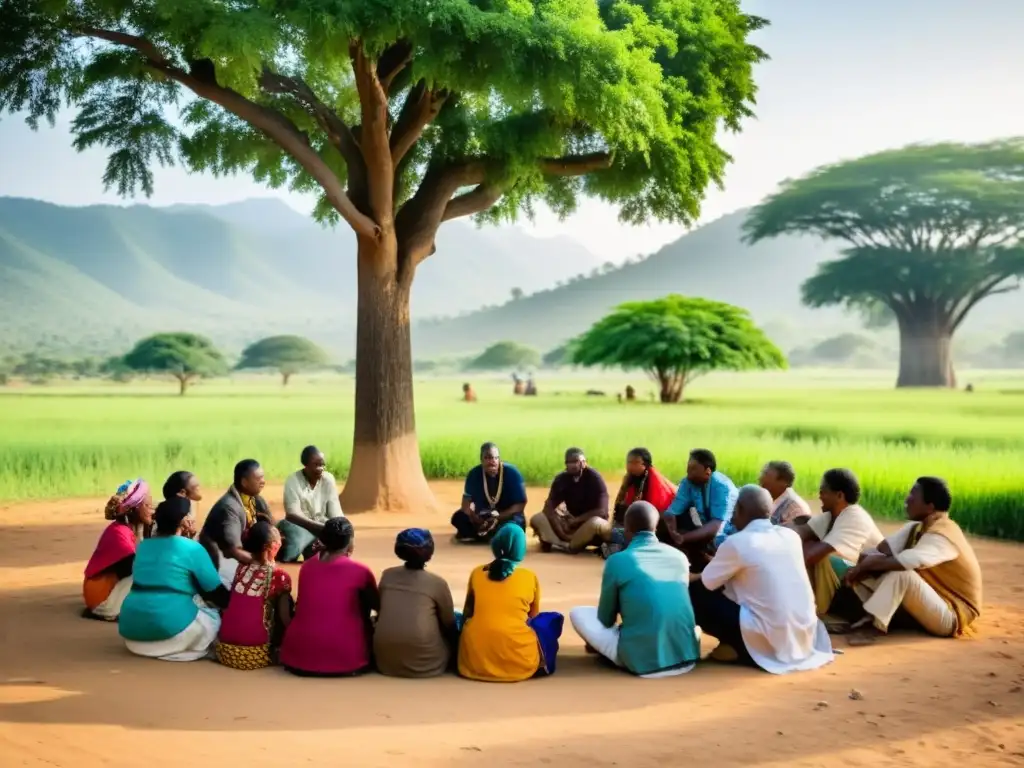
{"type": "Point", "coordinates": [930, 231]}
{"type": "Point", "coordinates": [400, 115]}
{"type": "Point", "coordinates": [285, 354]}
{"type": "Point", "coordinates": [504, 355]}
{"type": "Point", "coordinates": [676, 339]}
{"type": "Point", "coordinates": [185, 356]}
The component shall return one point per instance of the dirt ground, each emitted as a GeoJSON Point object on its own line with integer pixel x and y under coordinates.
{"type": "Point", "coordinates": [71, 695]}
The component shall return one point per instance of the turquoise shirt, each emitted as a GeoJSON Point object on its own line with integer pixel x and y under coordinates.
{"type": "Point", "coordinates": [713, 501]}
{"type": "Point", "coordinates": [167, 574]}
{"type": "Point", "coordinates": [648, 585]}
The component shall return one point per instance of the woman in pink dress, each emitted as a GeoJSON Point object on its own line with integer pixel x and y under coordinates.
{"type": "Point", "coordinates": [260, 609]}
{"type": "Point", "coordinates": [331, 633]}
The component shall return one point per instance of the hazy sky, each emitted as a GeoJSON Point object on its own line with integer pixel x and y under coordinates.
{"type": "Point", "coordinates": [846, 78]}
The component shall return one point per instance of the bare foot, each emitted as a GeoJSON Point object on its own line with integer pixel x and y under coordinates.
{"type": "Point", "coordinates": [724, 653]}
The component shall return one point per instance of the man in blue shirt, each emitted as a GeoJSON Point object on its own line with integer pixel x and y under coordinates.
{"type": "Point", "coordinates": [647, 585]}
{"type": "Point", "coordinates": [495, 494]}
{"type": "Point", "coordinates": [700, 517]}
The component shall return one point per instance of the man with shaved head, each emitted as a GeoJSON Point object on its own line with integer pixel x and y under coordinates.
{"type": "Point", "coordinates": [755, 595]}
{"type": "Point", "coordinates": [644, 620]}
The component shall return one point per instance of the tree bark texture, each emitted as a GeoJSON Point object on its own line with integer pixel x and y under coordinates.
{"type": "Point", "coordinates": [926, 358]}
{"type": "Point", "coordinates": [386, 472]}
{"type": "Point", "coordinates": [285, 376]}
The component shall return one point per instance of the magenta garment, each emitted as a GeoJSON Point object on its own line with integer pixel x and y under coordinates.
{"type": "Point", "coordinates": [329, 634]}
{"type": "Point", "coordinates": [116, 543]}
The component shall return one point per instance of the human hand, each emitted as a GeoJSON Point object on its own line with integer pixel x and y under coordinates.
{"type": "Point", "coordinates": [853, 575]}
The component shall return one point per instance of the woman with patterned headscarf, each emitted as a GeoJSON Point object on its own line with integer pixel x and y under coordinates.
{"type": "Point", "coordinates": [505, 638]}
{"type": "Point", "coordinates": [416, 627]}
{"type": "Point", "coordinates": [108, 575]}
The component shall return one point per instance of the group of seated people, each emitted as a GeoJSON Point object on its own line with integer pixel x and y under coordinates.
{"type": "Point", "coordinates": [751, 567]}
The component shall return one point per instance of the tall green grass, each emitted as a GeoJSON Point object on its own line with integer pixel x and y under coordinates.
{"type": "Point", "coordinates": [85, 440]}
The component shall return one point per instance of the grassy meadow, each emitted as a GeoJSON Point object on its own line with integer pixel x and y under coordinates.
{"type": "Point", "coordinates": [84, 439]}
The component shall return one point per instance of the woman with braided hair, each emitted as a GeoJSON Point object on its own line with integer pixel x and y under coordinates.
{"type": "Point", "coordinates": [642, 482]}
{"type": "Point", "coordinates": [416, 625]}
{"type": "Point", "coordinates": [108, 575]}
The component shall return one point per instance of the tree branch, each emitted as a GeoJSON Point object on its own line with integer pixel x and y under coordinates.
{"type": "Point", "coordinates": [373, 134]}
{"type": "Point", "coordinates": [274, 125]}
{"type": "Point", "coordinates": [478, 199]}
{"type": "Point", "coordinates": [339, 134]}
{"type": "Point", "coordinates": [983, 291]}
{"type": "Point", "coordinates": [576, 165]}
{"type": "Point", "coordinates": [421, 106]}
{"type": "Point", "coordinates": [394, 59]}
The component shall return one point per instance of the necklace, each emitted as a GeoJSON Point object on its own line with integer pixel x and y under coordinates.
{"type": "Point", "coordinates": [492, 502]}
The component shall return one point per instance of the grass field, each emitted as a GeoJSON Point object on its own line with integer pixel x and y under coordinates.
{"type": "Point", "coordinates": [84, 439]}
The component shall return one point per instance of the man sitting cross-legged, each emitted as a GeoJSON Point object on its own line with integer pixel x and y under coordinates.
{"type": "Point", "coordinates": [576, 511]}
{"type": "Point", "coordinates": [699, 518]}
{"type": "Point", "coordinates": [646, 584]}
{"type": "Point", "coordinates": [834, 540]}
{"type": "Point", "coordinates": [928, 568]}
{"type": "Point", "coordinates": [495, 494]}
{"type": "Point", "coordinates": [755, 596]}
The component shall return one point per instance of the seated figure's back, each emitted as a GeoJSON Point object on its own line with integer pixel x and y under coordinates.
{"type": "Point", "coordinates": [648, 585]}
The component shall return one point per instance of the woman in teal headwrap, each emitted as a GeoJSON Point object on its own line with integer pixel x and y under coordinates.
{"type": "Point", "coordinates": [505, 637]}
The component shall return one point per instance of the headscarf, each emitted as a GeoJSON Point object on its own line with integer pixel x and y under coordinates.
{"type": "Point", "coordinates": [127, 497]}
{"type": "Point", "coordinates": [414, 546]}
{"type": "Point", "coordinates": [509, 548]}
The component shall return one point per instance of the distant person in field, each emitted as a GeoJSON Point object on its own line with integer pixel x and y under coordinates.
{"type": "Point", "coordinates": [230, 519]}
{"type": "Point", "coordinates": [495, 494]}
{"type": "Point", "coordinates": [927, 568]}
{"type": "Point", "coordinates": [642, 482]}
{"type": "Point", "coordinates": [260, 608]}
{"type": "Point", "coordinates": [700, 516]}
{"type": "Point", "coordinates": [755, 597]}
{"type": "Point", "coordinates": [777, 478]}
{"type": "Point", "coordinates": [108, 574]}
{"type": "Point", "coordinates": [531, 388]}
{"type": "Point", "coordinates": [310, 500]}
{"type": "Point", "coordinates": [468, 395]}
{"type": "Point", "coordinates": [416, 634]}
{"type": "Point", "coordinates": [576, 510]}
{"type": "Point", "coordinates": [630, 393]}
{"type": "Point", "coordinates": [505, 637]}
{"type": "Point", "coordinates": [331, 634]}
{"type": "Point", "coordinates": [168, 614]}
{"type": "Point", "coordinates": [517, 384]}
{"type": "Point", "coordinates": [644, 620]}
{"type": "Point", "coordinates": [834, 540]}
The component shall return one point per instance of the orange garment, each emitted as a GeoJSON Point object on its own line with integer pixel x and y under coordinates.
{"type": "Point", "coordinates": [97, 589]}
{"type": "Point", "coordinates": [497, 645]}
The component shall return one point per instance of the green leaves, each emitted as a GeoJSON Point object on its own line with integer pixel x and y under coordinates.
{"type": "Point", "coordinates": [287, 354]}
{"type": "Point", "coordinates": [504, 355]}
{"type": "Point", "coordinates": [179, 354]}
{"type": "Point", "coordinates": [677, 336]}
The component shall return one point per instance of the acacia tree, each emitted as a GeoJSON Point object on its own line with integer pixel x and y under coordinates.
{"type": "Point", "coordinates": [185, 356]}
{"type": "Point", "coordinates": [931, 231]}
{"type": "Point", "coordinates": [285, 354]}
{"type": "Point", "coordinates": [505, 354]}
{"type": "Point", "coordinates": [399, 115]}
{"type": "Point", "coordinates": [674, 340]}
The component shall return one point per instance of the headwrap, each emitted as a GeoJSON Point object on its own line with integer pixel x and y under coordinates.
{"type": "Point", "coordinates": [509, 548]}
{"type": "Point", "coordinates": [128, 496]}
{"type": "Point", "coordinates": [415, 546]}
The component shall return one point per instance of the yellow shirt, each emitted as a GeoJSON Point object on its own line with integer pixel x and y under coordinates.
{"type": "Point", "coordinates": [496, 644]}
{"type": "Point", "coordinates": [249, 503]}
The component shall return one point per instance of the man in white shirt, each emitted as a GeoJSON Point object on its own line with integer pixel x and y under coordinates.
{"type": "Point", "coordinates": [755, 595]}
{"type": "Point", "coordinates": [788, 507]}
{"type": "Point", "coordinates": [310, 500]}
{"type": "Point", "coordinates": [834, 540]}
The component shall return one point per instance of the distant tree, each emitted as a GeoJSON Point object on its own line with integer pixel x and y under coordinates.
{"type": "Point", "coordinates": [116, 369]}
{"type": "Point", "coordinates": [504, 355]}
{"type": "Point", "coordinates": [400, 115]}
{"type": "Point", "coordinates": [517, 294]}
{"type": "Point", "coordinates": [839, 349]}
{"type": "Point", "coordinates": [608, 266]}
{"type": "Point", "coordinates": [1013, 347]}
{"type": "Point", "coordinates": [932, 230]}
{"type": "Point", "coordinates": [185, 356]}
{"type": "Point", "coordinates": [674, 340]}
{"type": "Point", "coordinates": [557, 357]}
{"type": "Point", "coordinates": [285, 354]}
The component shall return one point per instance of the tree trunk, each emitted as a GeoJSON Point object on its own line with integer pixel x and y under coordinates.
{"type": "Point", "coordinates": [671, 388]}
{"type": "Point", "coordinates": [386, 472]}
{"type": "Point", "coordinates": [285, 375]}
{"type": "Point", "coordinates": [926, 358]}
{"type": "Point", "coordinates": [183, 382]}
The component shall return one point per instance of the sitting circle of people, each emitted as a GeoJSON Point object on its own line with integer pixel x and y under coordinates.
{"type": "Point", "coordinates": [752, 567]}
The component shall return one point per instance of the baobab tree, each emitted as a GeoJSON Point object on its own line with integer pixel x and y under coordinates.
{"type": "Point", "coordinates": [399, 115]}
{"type": "Point", "coordinates": [931, 231]}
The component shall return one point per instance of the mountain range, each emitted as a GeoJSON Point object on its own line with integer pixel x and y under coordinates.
{"type": "Point", "coordinates": [92, 280]}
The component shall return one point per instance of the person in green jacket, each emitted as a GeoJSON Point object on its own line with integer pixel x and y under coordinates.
{"type": "Point", "coordinates": [644, 620]}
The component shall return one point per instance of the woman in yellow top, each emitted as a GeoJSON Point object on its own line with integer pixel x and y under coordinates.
{"type": "Point", "coordinates": [505, 638]}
